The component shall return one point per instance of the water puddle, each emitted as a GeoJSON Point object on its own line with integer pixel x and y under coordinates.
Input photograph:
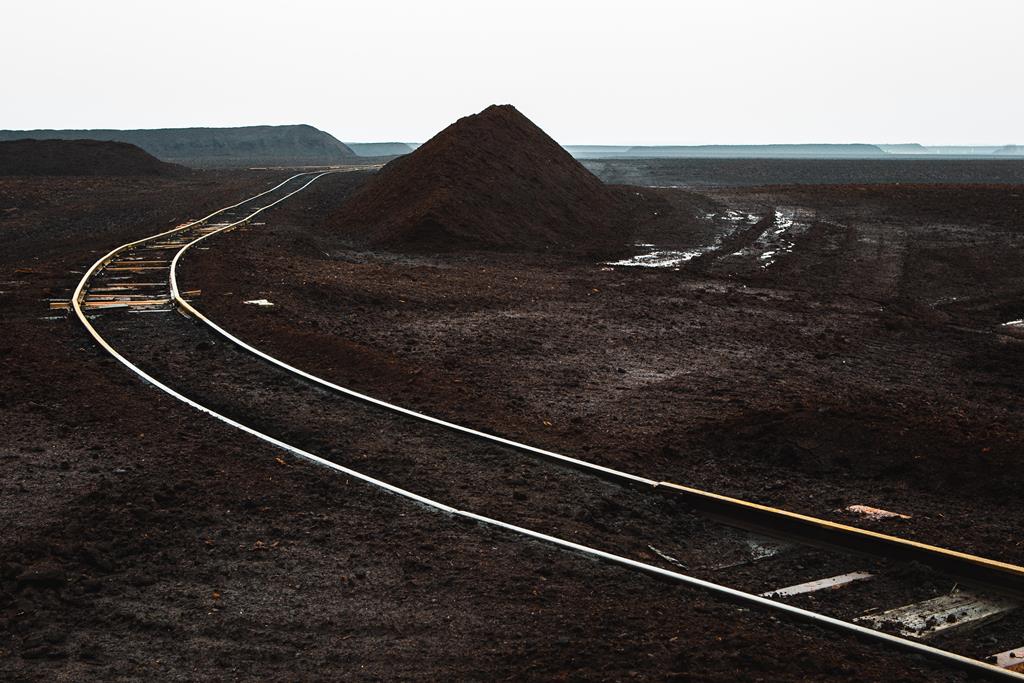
{"type": "Point", "coordinates": [776, 240]}
{"type": "Point", "coordinates": [661, 258]}
{"type": "Point", "coordinates": [672, 258]}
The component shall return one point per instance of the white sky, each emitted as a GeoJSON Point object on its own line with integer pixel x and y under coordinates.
{"type": "Point", "coordinates": [624, 72]}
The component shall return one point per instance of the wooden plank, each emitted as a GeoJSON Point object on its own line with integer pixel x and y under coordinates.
{"type": "Point", "coordinates": [130, 302]}
{"type": "Point", "coordinates": [133, 269]}
{"type": "Point", "coordinates": [1011, 659]}
{"type": "Point", "coordinates": [115, 289]}
{"type": "Point", "coordinates": [869, 512]}
{"type": "Point", "coordinates": [831, 583]}
{"type": "Point", "coordinates": [121, 278]}
{"type": "Point", "coordinates": [125, 303]}
{"type": "Point", "coordinates": [105, 304]}
{"type": "Point", "coordinates": [960, 610]}
{"type": "Point", "coordinates": [139, 262]}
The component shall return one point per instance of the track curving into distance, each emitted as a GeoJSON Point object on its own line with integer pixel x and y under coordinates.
{"type": "Point", "coordinates": [791, 522]}
{"type": "Point", "coordinates": [297, 183]}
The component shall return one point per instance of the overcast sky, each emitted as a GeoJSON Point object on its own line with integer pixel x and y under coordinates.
{"type": "Point", "coordinates": [628, 72]}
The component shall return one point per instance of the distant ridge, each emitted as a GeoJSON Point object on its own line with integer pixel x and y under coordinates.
{"type": "Point", "coordinates": [906, 148]}
{"type": "Point", "coordinates": [796, 151]}
{"type": "Point", "coordinates": [79, 158]}
{"type": "Point", "coordinates": [962, 150]}
{"type": "Point", "coordinates": [759, 151]}
{"type": "Point", "coordinates": [293, 145]}
{"type": "Point", "coordinates": [597, 151]}
{"type": "Point", "coordinates": [949, 150]}
{"type": "Point", "coordinates": [379, 149]}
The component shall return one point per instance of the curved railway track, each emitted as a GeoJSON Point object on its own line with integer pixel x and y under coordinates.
{"type": "Point", "coordinates": [140, 276]}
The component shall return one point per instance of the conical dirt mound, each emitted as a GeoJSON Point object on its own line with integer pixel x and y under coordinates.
{"type": "Point", "coordinates": [492, 181]}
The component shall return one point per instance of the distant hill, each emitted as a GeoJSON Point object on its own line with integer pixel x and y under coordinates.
{"type": "Point", "coordinates": [491, 181]}
{"type": "Point", "coordinates": [823, 151]}
{"type": "Point", "coordinates": [950, 150]}
{"type": "Point", "coordinates": [962, 150]}
{"type": "Point", "coordinates": [800, 151]}
{"type": "Point", "coordinates": [298, 145]}
{"type": "Point", "coordinates": [79, 157]}
{"type": "Point", "coordinates": [597, 151]}
{"type": "Point", "coordinates": [906, 148]}
{"type": "Point", "coordinates": [379, 149]}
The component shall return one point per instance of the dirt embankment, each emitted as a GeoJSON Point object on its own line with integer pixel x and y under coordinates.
{"type": "Point", "coordinates": [492, 181]}
{"type": "Point", "coordinates": [79, 157]}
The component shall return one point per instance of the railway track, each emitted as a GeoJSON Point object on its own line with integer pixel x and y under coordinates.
{"type": "Point", "coordinates": [140, 277]}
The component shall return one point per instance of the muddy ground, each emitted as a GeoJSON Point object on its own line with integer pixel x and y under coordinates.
{"type": "Point", "coordinates": [145, 540]}
{"type": "Point", "coordinates": [865, 365]}
{"type": "Point", "coordinates": [762, 172]}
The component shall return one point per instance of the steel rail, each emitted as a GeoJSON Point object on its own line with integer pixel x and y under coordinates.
{"type": "Point", "coordinates": [128, 246]}
{"type": "Point", "coordinates": [1005, 575]}
{"type": "Point", "coordinates": [574, 462]}
{"type": "Point", "coordinates": [684, 579]}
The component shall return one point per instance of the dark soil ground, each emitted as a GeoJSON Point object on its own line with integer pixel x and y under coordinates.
{"type": "Point", "coordinates": [761, 172]}
{"type": "Point", "coordinates": [145, 540]}
{"type": "Point", "coordinates": [867, 365]}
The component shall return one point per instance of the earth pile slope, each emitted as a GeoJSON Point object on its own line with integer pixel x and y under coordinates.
{"type": "Point", "coordinates": [79, 158]}
{"type": "Point", "coordinates": [490, 181]}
